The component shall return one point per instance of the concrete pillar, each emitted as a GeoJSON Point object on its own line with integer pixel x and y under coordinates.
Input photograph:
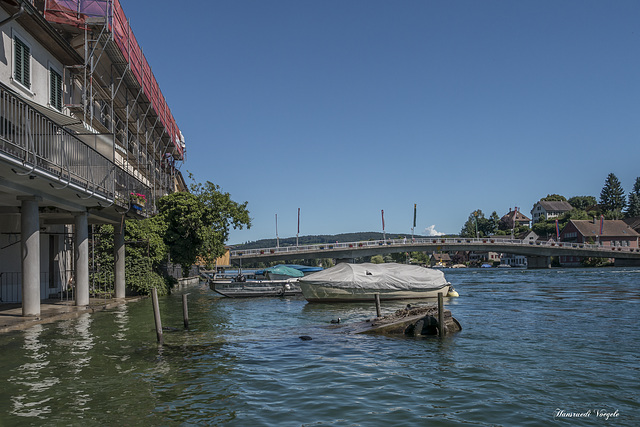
{"type": "Point", "coordinates": [118, 256]}
{"type": "Point", "coordinates": [537, 262]}
{"type": "Point", "coordinates": [81, 256]}
{"type": "Point", "coordinates": [30, 244]}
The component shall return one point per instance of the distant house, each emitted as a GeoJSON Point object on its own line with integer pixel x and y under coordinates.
{"type": "Point", "coordinates": [549, 210]}
{"type": "Point", "coordinates": [476, 257]}
{"type": "Point", "coordinates": [514, 260]}
{"type": "Point", "coordinates": [614, 233]}
{"type": "Point", "coordinates": [440, 260]}
{"type": "Point", "coordinates": [515, 218]}
{"type": "Point", "coordinates": [527, 236]}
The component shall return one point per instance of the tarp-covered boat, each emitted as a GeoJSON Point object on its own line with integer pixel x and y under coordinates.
{"type": "Point", "coordinates": [360, 282]}
{"type": "Point", "coordinates": [281, 272]}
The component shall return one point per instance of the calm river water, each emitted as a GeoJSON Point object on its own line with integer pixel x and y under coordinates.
{"type": "Point", "coordinates": [536, 347]}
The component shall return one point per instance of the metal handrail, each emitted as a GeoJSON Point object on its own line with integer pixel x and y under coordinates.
{"type": "Point", "coordinates": [450, 241]}
{"type": "Point", "coordinates": [37, 143]}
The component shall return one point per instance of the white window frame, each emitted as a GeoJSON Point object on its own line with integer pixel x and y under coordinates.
{"type": "Point", "coordinates": [15, 34]}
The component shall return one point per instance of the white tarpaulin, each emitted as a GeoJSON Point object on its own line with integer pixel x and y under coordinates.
{"type": "Point", "coordinates": [377, 276]}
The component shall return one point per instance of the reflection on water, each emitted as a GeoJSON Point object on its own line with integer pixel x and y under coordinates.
{"type": "Point", "coordinates": [533, 342]}
{"type": "Point", "coordinates": [31, 379]}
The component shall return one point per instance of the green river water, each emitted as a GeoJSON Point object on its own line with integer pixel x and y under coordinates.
{"type": "Point", "coordinates": [539, 347]}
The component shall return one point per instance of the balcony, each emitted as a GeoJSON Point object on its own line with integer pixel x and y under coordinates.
{"type": "Point", "coordinates": [35, 143]}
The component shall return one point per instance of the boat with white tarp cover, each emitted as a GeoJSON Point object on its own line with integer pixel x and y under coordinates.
{"type": "Point", "coordinates": [360, 282]}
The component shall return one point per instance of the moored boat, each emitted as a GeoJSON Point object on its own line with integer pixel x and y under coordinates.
{"type": "Point", "coordinates": [360, 282]}
{"type": "Point", "coordinates": [281, 272]}
{"type": "Point", "coordinates": [256, 288]}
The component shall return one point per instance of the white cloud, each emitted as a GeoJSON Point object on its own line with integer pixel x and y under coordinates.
{"type": "Point", "coordinates": [431, 231]}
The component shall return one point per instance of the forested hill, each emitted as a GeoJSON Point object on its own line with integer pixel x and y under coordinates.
{"type": "Point", "coordinates": [310, 240]}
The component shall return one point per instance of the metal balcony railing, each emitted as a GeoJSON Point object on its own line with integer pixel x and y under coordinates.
{"type": "Point", "coordinates": [32, 140]}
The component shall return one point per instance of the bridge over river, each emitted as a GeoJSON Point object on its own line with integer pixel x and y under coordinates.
{"type": "Point", "coordinates": [537, 252]}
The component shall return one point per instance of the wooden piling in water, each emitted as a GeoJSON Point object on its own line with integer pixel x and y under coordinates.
{"type": "Point", "coordinates": [377, 298]}
{"type": "Point", "coordinates": [441, 326]}
{"type": "Point", "coordinates": [156, 315]}
{"type": "Point", "coordinates": [185, 311]}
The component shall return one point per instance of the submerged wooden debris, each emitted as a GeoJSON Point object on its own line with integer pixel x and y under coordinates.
{"type": "Point", "coordinates": [410, 321]}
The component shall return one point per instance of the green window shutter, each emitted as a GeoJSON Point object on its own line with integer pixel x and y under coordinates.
{"type": "Point", "coordinates": [55, 85]}
{"type": "Point", "coordinates": [22, 62]}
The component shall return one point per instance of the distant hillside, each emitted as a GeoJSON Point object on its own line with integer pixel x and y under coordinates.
{"type": "Point", "coordinates": [325, 238]}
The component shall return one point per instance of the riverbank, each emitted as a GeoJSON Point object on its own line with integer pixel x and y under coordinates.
{"type": "Point", "coordinates": [11, 318]}
{"type": "Point", "coordinates": [53, 310]}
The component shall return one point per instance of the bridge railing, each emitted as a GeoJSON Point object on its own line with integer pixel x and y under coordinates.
{"type": "Point", "coordinates": [449, 241]}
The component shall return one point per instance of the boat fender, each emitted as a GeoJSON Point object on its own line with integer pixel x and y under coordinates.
{"type": "Point", "coordinates": [452, 292]}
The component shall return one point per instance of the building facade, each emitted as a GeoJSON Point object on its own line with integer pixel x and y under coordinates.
{"type": "Point", "coordinates": [549, 210]}
{"type": "Point", "coordinates": [86, 137]}
{"type": "Point", "coordinates": [608, 233]}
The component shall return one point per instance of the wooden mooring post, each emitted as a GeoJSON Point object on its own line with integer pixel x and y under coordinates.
{"type": "Point", "coordinates": [441, 326]}
{"type": "Point", "coordinates": [185, 311]}
{"type": "Point", "coordinates": [156, 315]}
{"type": "Point", "coordinates": [377, 298]}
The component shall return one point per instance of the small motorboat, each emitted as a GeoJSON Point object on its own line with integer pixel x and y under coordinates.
{"type": "Point", "coordinates": [256, 288]}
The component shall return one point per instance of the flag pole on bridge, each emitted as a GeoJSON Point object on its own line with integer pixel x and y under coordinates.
{"type": "Point", "coordinates": [277, 239]}
{"type": "Point", "coordinates": [384, 236]}
{"type": "Point", "coordinates": [298, 227]}
{"type": "Point", "coordinates": [414, 222]}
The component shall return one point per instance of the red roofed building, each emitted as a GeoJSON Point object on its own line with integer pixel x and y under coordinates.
{"type": "Point", "coordinates": [613, 233]}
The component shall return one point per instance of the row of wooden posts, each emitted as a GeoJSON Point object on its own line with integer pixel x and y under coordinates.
{"type": "Point", "coordinates": [156, 313]}
{"type": "Point", "coordinates": [441, 328]}
{"type": "Point", "coordinates": [185, 313]}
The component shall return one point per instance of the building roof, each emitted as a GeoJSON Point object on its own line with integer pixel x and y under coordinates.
{"type": "Point", "coordinates": [441, 257]}
{"type": "Point", "coordinates": [611, 228]}
{"type": "Point", "coordinates": [555, 206]}
{"type": "Point", "coordinates": [527, 235]}
{"type": "Point", "coordinates": [633, 222]}
{"type": "Point", "coordinates": [519, 216]}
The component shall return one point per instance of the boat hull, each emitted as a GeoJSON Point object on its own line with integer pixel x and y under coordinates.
{"type": "Point", "coordinates": [258, 288]}
{"type": "Point", "coordinates": [325, 293]}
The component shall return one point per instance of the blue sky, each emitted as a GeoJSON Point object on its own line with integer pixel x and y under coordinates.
{"type": "Point", "coordinates": [344, 108]}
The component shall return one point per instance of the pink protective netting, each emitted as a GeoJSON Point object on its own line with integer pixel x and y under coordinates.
{"type": "Point", "coordinates": [76, 12]}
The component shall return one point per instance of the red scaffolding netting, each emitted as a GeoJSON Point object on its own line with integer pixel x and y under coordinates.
{"type": "Point", "coordinates": [77, 12]}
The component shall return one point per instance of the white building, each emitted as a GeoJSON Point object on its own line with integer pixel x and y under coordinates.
{"type": "Point", "coordinates": [83, 125]}
{"type": "Point", "coordinates": [549, 210]}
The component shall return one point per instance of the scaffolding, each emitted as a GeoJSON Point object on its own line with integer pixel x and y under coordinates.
{"type": "Point", "coordinates": [115, 93]}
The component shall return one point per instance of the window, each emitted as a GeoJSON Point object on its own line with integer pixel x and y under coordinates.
{"type": "Point", "coordinates": [55, 89]}
{"type": "Point", "coordinates": [22, 63]}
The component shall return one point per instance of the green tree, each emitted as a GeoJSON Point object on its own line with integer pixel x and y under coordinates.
{"type": "Point", "coordinates": [145, 252]}
{"type": "Point", "coordinates": [612, 198]}
{"type": "Point", "coordinates": [472, 225]}
{"type": "Point", "coordinates": [198, 224]}
{"type": "Point", "coordinates": [221, 213]}
{"type": "Point", "coordinates": [419, 258]}
{"type": "Point", "coordinates": [185, 216]}
{"type": "Point", "coordinates": [492, 225]}
{"type": "Point", "coordinates": [582, 202]}
{"type": "Point", "coordinates": [377, 259]}
{"type": "Point", "coordinates": [633, 208]}
{"type": "Point", "coordinates": [553, 198]}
